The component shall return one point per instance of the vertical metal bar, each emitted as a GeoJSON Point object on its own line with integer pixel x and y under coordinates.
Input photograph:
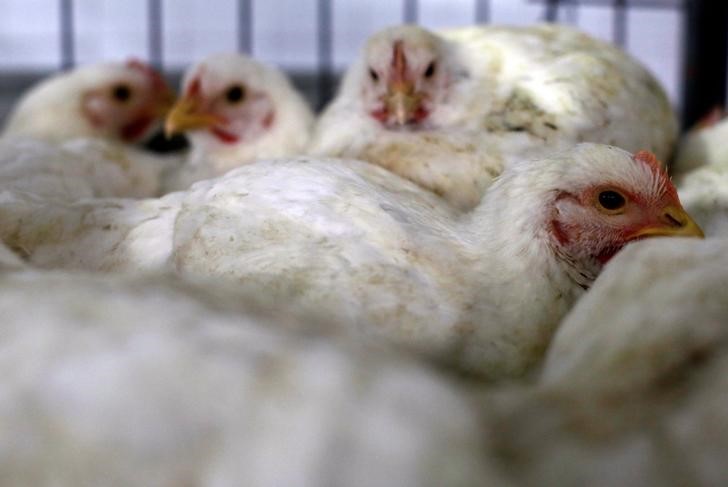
{"type": "Point", "coordinates": [705, 31]}
{"type": "Point", "coordinates": [620, 22]}
{"type": "Point", "coordinates": [551, 12]}
{"type": "Point", "coordinates": [155, 33]}
{"type": "Point", "coordinates": [325, 54]}
{"type": "Point", "coordinates": [245, 26]}
{"type": "Point", "coordinates": [482, 11]}
{"type": "Point", "coordinates": [410, 11]}
{"type": "Point", "coordinates": [572, 12]}
{"type": "Point", "coordinates": [68, 48]}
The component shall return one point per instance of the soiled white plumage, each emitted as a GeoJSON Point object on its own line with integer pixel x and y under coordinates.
{"type": "Point", "coordinates": [78, 168]}
{"type": "Point", "coordinates": [654, 306]}
{"type": "Point", "coordinates": [155, 382]}
{"type": "Point", "coordinates": [505, 93]}
{"type": "Point", "coordinates": [271, 119]}
{"type": "Point", "coordinates": [634, 387]}
{"type": "Point", "coordinates": [378, 254]}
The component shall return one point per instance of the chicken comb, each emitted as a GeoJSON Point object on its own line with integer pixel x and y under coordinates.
{"type": "Point", "coordinates": [399, 61]}
{"type": "Point", "coordinates": [650, 159]}
{"type": "Point", "coordinates": [714, 116]}
{"type": "Point", "coordinates": [157, 80]}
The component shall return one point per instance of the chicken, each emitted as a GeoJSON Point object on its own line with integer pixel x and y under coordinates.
{"type": "Point", "coordinates": [701, 174]}
{"type": "Point", "coordinates": [71, 136]}
{"type": "Point", "coordinates": [151, 381]}
{"type": "Point", "coordinates": [634, 385]}
{"type": "Point", "coordinates": [377, 253]}
{"type": "Point", "coordinates": [114, 101]}
{"type": "Point", "coordinates": [450, 110]}
{"type": "Point", "coordinates": [235, 110]}
{"type": "Point", "coordinates": [704, 145]}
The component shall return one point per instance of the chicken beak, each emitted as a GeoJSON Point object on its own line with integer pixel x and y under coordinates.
{"type": "Point", "coordinates": [186, 115]}
{"type": "Point", "coordinates": [402, 101]}
{"type": "Point", "coordinates": [674, 222]}
{"type": "Point", "coordinates": [165, 104]}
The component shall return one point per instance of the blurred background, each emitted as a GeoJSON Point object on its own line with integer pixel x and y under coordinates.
{"type": "Point", "coordinates": [684, 42]}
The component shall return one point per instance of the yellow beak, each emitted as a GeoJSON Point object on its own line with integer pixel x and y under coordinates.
{"type": "Point", "coordinates": [187, 115]}
{"type": "Point", "coordinates": [674, 222]}
{"type": "Point", "coordinates": [165, 104]}
{"type": "Point", "coordinates": [402, 101]}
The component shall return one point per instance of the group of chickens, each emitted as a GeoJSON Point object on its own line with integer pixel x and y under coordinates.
{"type": "Point", "coordinates": [420, 287]}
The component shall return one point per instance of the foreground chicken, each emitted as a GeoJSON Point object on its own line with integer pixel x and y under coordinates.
{"type": "Point", "coordinates": [235, 110]}
{"type": "Point", "coordinates": [376, 253]}
{"type": "Point", "coordinates": [634, 387]}
{"type": "Point", "coordinates": [114, 101]}
{"type": "Point", "coordinates": [154, 382]}
{"type": "Point", "coordinates": [450, 110]}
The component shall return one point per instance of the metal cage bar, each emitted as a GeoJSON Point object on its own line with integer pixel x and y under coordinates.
{"type": "Point", "coordinates": [245, 26]}
{"type": "Point", "coordinates": [67, 34]}
{"type": "Point", "coordinates": [482, 11]}
{"type": "Point", "coordinates": [410, 11]}
{"type": "Point", "coordinates": [155, 33]}
{"type": "Point", "coordinates": [705, 58]}
{"type": "Point", "coordinates": [324, 15]}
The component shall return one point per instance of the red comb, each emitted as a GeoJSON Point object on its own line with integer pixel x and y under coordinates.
{"type": "Point", "coordinates": [399, 62]}
{"type": "Point", "coordinates": [711, 118]}
{"type": "Point", "coordinates": [157, 80]}
{"type": "Point", "coordinates": [648, 158]}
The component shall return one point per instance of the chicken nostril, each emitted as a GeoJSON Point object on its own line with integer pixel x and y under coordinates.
{"type": "Point", "coordinates": [674, 221]}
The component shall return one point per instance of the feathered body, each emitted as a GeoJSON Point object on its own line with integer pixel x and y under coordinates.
{"type": "Point", "coordinates": [79, 169]}
{"type": "Point", "coordinates": [119, 382]}
{"type": "Point", "coordinates": [378, 254]}
{"type": "Point", "coordinates": [503, 93]}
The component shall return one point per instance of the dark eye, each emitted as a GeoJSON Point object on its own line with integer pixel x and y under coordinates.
{"type": "Point", "coordinates": [121, 93]}
{"type": "Point", "coordinates": [235, 94]}
{"type": "Point", "coordinates": [373, 75]}
{"type": "Point", "coordinates": [611, 200]}
{"type": "Point", "coordinates": [430, 71]}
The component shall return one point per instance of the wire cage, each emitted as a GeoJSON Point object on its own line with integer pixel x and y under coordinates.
{"type": "Point", "coordinates": [687, 40]}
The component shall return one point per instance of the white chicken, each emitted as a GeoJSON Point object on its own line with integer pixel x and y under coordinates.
{"type": "Point", "coordinates": [652, 309]}
{"type": "Point", "coordinates": [701, 174]}
{"type": "Point", "coordinates": [71, 136]}
{"type": "Point", "coordinates": [113, 101]}
{"type": "Point", "coordinates": [155, 382]}
{"type": "Point", "coordinates": [377, 253]}
{"type": "Point", "coordinates": [450, 110]}
{"type": "Point", "coordinates": [704, 145]}
{"type": "Point", "coordinates": [235, 110]}
{"type": "Point", "coordinates": [634, 387]}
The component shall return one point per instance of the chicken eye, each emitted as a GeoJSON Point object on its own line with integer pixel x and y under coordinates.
{"type": "Point", "coordinates": [611, 200]}
{"type": "Point", "coordinates": [373, 75]}
{"type": "Point", "coordinates": [235, 94]}
{"type": "Point", "coordinates": [430, 71]}
{"type": "Point", "coordinates": [121, 93]}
